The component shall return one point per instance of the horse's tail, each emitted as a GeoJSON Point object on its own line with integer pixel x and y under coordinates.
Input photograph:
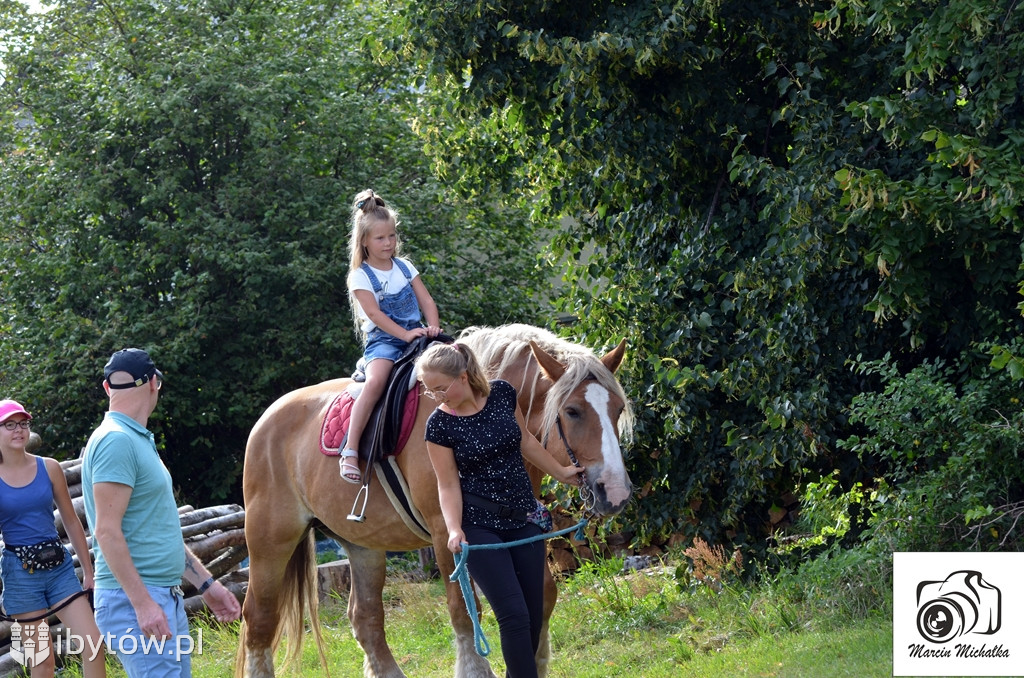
{"type": "Point", "coordinates": [297, 595]}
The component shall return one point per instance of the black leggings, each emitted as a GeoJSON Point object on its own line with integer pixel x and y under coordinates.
{"type": "Point", "coordinates": [512, 580]}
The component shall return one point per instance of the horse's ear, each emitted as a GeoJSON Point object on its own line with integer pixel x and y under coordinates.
{"type": "Point", "coordinates": [551, 367]}
{"type": "Point", "coordinates": [614, 358]}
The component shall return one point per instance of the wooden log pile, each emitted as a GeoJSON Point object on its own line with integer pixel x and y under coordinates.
{"type": "Point", "coordinates": [216, 535]}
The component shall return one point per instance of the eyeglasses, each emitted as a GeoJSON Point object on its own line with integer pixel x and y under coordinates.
{"type": "Point", "coordinates": [439, 394]}
{"type": "Point", "coordinates": [11, 425]}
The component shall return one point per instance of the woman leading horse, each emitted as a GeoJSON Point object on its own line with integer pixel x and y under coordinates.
{"type": "Point", "coordinates": [572, 403]}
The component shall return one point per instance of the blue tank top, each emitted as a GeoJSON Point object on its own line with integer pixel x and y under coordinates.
{"type": "Point", "coordinates": [26, 513]}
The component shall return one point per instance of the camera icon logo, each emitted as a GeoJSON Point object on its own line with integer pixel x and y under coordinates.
{"type": "Point", "coordinates": [962, 603]}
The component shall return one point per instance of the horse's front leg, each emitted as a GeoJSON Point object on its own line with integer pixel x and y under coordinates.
{"type": "Point", "coordinates": [543, 655]}
{"type": "Point", "coordinates": [468, 663]}
{"type": "Point", "coordinates": [366, 611]}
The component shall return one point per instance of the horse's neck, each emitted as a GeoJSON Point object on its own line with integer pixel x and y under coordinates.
{"type": "Point", "coordinates": [531, 390]}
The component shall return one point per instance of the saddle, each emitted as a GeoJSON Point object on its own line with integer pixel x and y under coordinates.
{"type": "Point", "coordinates": [391, 421]}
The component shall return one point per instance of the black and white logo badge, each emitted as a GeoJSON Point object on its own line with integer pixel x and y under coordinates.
{"type": "Point", "coordinates": [957, 614]}
{"type": "Point", "coordinates": [961, 603]}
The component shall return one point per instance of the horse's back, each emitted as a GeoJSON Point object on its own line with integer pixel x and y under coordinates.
{"type": "Point", "coordinates": [285, 434]}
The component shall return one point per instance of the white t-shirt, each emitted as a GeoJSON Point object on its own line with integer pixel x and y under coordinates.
{"type": "Point", "coordinates": [391, 282]}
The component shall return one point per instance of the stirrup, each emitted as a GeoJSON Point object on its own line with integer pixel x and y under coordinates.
{"type": "Point", "coordinates": [364, 492]}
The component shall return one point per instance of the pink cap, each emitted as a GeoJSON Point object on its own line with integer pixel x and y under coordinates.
{"type": "Point", "coordinates": [9, 408]}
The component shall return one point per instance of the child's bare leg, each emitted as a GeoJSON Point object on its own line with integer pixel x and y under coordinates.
{"type": "Point", "coordinates": [377, 372]}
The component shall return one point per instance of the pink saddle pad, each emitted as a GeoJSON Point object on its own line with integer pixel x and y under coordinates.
{"type": "Point", "coordinates": [335, 423]}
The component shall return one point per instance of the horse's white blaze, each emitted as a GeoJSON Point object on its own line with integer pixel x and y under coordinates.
{"type": "Point", "coordinates": [613, 470]}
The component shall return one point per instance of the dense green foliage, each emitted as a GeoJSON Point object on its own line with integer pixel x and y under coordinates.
{"type": "Point", "coordinates": [953, 459]}
{"type": "Point", "coordinates": [775, 190]}
{"type": "Point", "coordinates": [178, 177]}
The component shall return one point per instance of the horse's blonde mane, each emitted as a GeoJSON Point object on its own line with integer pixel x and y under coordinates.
{"type": "Point", "coordinates": [498, 348]}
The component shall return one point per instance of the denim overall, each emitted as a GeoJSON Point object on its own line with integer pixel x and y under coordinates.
{"type": "Point", "coordinates": [401, 307]}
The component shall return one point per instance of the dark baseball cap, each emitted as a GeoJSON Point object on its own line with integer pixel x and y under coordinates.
{"type": "Point", "coordinates": [135, 362]}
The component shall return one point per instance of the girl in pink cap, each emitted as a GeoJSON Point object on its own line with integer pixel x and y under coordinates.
{"type": "Point", "coordinates": [36, 568]}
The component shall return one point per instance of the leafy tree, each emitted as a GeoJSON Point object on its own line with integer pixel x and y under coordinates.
{"type": "Point", "coordinates": [954, 452]}
{"type": "Point", "coordinates": [773, 190]}
{"type": "Point", "coordinates": [178, 177]}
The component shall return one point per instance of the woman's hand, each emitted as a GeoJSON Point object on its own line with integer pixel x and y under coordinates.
{"type": "Point", "coordinates": [570, 475]}
{"type": "Point", "coordinates": [455, 540]}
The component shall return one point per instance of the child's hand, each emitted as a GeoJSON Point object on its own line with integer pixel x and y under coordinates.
{"type": "Point", "coordinates": [412, 334]}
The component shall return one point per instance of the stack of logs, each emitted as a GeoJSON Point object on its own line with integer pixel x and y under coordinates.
{"type": "Point", "coordinates": [216, 535]}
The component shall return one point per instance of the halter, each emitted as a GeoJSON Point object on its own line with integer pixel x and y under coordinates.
{"type": "Point", "coordinates": [586, 496]}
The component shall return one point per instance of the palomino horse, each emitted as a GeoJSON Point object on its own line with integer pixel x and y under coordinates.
{"type": "Point", "coordinates": [572, 403]}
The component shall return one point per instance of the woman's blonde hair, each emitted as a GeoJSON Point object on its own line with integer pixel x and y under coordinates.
{"type": "Point", "coordinates": [452, 360]}
{"type": "Point", "coordinates": [367, 209]}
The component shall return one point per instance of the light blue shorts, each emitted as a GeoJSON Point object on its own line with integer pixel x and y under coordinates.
{"type": "Point", "coordinates": [380, 344]}
{"type": "Point", "coordinates": [144, 656]}
{"type": "Point", "coordinates": [40, 590]}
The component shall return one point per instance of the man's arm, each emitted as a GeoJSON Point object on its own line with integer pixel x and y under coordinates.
{"type": "Point", "coordinates": [111, 501]}
{"type": "Point", "coordinates": [217, 597]}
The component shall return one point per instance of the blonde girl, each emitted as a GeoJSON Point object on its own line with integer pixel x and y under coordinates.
{"type": "Point", "coordinates": [389, 306]}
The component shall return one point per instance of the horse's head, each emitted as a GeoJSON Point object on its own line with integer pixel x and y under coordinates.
{"type": "Point", "coordinates": [585, 415]}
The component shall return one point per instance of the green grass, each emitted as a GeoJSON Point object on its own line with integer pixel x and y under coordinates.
{"type": "Point", "coordinates": [831, 619]}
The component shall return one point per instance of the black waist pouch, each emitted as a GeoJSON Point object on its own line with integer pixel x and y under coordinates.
{"type": "Point", "coordinates": [42, 556]}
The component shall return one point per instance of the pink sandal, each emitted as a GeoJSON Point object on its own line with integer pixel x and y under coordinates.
{"type": "Point", "coordinates": [349, 467]}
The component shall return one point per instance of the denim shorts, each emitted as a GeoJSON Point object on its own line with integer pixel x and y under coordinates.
{"type": "Point", "coordinates": [40, 590]}
{"type": "Point", "coordinates": [380, 344]}
{"type": "Point", "coordinates": [145, 656]}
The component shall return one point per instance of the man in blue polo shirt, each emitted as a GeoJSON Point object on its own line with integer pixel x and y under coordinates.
{"type": "Point", "coordinates": [141, 556]}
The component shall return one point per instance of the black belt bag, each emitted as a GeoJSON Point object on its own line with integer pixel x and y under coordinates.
{"type": "Point", "coordinates": [540, 516]}
{"type": "Point", "coordinates": [42, 556]}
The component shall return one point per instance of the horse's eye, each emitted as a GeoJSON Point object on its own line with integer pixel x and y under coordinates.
{"type": "Point", "coordinates": [572, 413]}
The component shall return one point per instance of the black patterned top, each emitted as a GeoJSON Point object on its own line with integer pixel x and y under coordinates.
{"type": "Point", "coordinates": [488, 456]}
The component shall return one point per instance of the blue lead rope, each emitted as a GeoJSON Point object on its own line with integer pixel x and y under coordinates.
{"type": "Point", "coordinates": [461, 574]}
